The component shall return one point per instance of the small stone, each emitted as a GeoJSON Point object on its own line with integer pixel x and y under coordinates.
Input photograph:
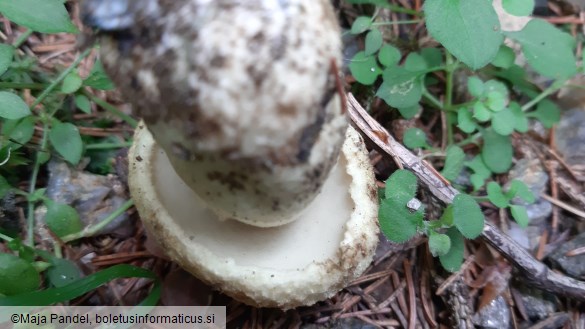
{"type": "Point", "coordinates": [532, 173]}
{"type": "Point", "coordinates": [572, 265]}
{"type": "Point", "coordinates": [537, 304]}
{"type": "Point", "coordinates": [570, 136]}
{"type": "Point", "coordinates": [495, 315]}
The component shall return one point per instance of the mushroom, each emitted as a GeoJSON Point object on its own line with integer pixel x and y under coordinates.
{"type": "Point", "coordinates": [244, 169]}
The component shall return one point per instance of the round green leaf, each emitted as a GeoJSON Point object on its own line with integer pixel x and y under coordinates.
{"type": "Point", "coordinates": [504, 122]}
{"type": "Point", "coordinates": [467, 216]}
{"type": "Point", "coordinates": [46, 16]}
{"type": "Point", "coordinates": [71, 83]}
{"type": "Point", "coordinates": [23, 132]}
{"type": "Point", "coordinates": [389, 55]}
{"type": "Point", "coordinates": [475, 86]}
{"type": "Point", "coordinates": [433, 56]}
{"type": "Point", "coordinates": [469, 29]}
{"type": "Point", "coordinates": [504, 58]}
{"type": "Point", "coordinates": [465, 120]}
{"type": "Point", "coordinates": [83, 103]}
{"type": "Point", "coordinates": [495, 101]}
{"type": "Point", "coordinates": [453, 259]}
{"type": "Point", "coordinates": [453, 162]}
{"type": "Point", "coordinates": [439, 244]}
{"type": "Point", "coordinates": [364, 68]}
{"type": "Point", "coordinates": [402, 181]}
{"type": "Point", "coordinates": [98, 79]}
{"type": "Point", "coordinates": [17, 275]}
{"type": "Point", "coordinates": [373, 42]}
{"type": "Point", "coordinates": [415, 138]}
{"type": "Point", "coordinates": [62, 219]}
{"type": "Point", "coordinates": [497, 151]}
{"type": "Point", "coordinates": [62, 272]}
{"type": "Point", "coordinates": [520, 215]}
{"type": "Point", "coordinates": [518, 188]}
{"type": "Point", "coordinates": [547, 112]}
{"type": "Point", "coordinates": [401, 88]}
{"type": "Point", "coordinates": [481, 113]}
{"type": "Point", "coordinates": [519, 7]}
{"type": "Point", "coordinates": [415, 63]}
{"type": "Point", "coordinates": [12, 107]}
{"type": "Point", "coordinates": [396, 222]}
{"type": "Point", "coordinates": [66, 140]}
{"type": "Point", "coordinates": [361, 24]}
{"type": "Point", "coordinates": [520, 119]}
{"type": "Point", "coordinates": [409, 112]}
{"type": "Point", "coordinates": [6, 54]}
{"type": "Point", "coordinates": [496, 196]}
{"type": "Point", "coordinates": [548, 50]}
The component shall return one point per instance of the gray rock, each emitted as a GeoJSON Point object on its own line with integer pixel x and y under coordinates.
{"type": "Point", "coordinates": [537, 305]}
{"type": "Point", "coordinates": [495, 315]}
{"type": "Point", "coordinates": [572, 265]}
{"type": "Point", "coordinates": [93, 196]}
{"type": "Point", "coordinates": [570, 136]}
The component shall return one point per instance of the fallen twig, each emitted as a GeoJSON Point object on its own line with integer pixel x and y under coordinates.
{"type": "Point", "coordinates": [536, 272]}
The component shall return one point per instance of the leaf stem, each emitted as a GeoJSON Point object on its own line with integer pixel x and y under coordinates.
{"type": "Point", "coordinates": [5, 237]}
{"type": "Point", "coordinates": [108, 146]}
{"type": "Point", "coordinates": [22, 38]}
{"type": "Point", "coordinates": [548, 91]}
{"type": "Point", "coordinates": [91, 230]}
{"type": "Point", "coordinates": [111, 108]}
{"type": "Point", "coordinates": [450, 69]}
{"type": "Point", "coordinates": [432, 99]}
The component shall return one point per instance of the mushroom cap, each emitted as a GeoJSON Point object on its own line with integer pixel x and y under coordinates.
{"type": "Point", "coordinates": [300, 263]}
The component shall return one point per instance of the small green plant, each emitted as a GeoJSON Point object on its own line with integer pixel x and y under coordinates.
{"type": "Point", "coordinates": [488, 116]}
{"type": "Point", "coordinates": [49, 111]}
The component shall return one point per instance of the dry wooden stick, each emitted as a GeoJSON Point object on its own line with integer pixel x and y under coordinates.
{"type": "Point", "coordinates": [536, 272]}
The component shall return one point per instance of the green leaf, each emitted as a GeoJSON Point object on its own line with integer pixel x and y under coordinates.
{"type": "Point", "coordinates": [71, 83]}
{"type": "Point", "coordinates": [453, 259]}
{"type": "Point", "coordinates": [396, 222]}
{"type": "Point", "coordinates": [453, 162]}
{"type": "Point", "coordinates": [22, 132]}
{"type": "Point", "coordinates": [77, 288]}
{"type": "Point", "coordinates": [520, 119]}
{"type": "Point", "coordinates": [401, 88]}
{"type": "Point", "coordinates": [415, 63]}
{"type": "Point", "coordinates": [83, 103]}
{"type": "Point", "coordinates": [6, 54]}
{"type": "Point", "coordinates": [469, 29]}
{"type": "Point", "coordinates": [12, 107]}
{"type": "Point", "coordinates": [467, 216]}
{"type": "Point", "coordinates": [504, 122]}
{"type": "Point", "coordinates": [433, 56]}
{"type": "Point", "coordinates": [447, 216]}
{"type": "Point", "coordinates": [389, 55]}
{"type": "Point", "coordinates": [519, 7]}
{"type": "Point", "coordinates": [66, 140]}
{"type": "Point", "coordinates": [98, 79]}
{"type": "Point", "coordinates": [62, 272]}
{"type": "Point", "coordinates": [4, 187]}
{"type": "Point", "coordinates": [373, 42]}
{"type": "Point", "coordinates": [520, 215]}
{"type": "Point", "coordinates": [496, 196]}
{"type": "Point", "coordinates": [439, 244]}
{"type": "Point", "coordinates": [504, 58]}
{"type": "Point", "coordinates": [361, 24]}
{"type": "Point", "coordinates": [402, 181]}
{"type": "Point", "coordinates": [548, 50]}
{"type": "Point", "coordinates": [46, 16]}
{"type": "Point", "coordinates": [465, 120]}
{"type": "Point", "coordinates": [415, 138]}
{"type": "Point", "coordinates": [547, 112]}
{"type": "Point", "coordinates": [518, 188]}
{"type": "Point", "coordinates": [62, 219]}
{"type": "Point", "coordinates": [409, 112]}
{"type": "Point", "coordinates": [495, 101]}
{"type": "Point", "coordinates": [475, 86]}
{"type": "Point", "coordinates": [481, 113]}
{"type": "Point", "coordinates": [364, 68]}
{"type": "Point", "coordinates": [17, 275]}
{"type": "Point", "coordinates": [497, 151]}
